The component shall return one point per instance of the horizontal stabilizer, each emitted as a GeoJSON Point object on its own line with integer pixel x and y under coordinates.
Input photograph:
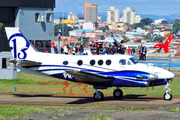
{"type": "Point", "coordinates": [25, 62]}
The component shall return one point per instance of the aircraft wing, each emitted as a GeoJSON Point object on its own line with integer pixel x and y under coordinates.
{"type": "Point", "coordinates": [25, 62]}
{"type": "Point", "coordinates": [91, 78]}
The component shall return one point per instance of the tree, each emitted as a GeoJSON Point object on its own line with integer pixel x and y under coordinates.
{"type": "Point", "coordinates": [96, 24]}
{"type": "Point", "coordinates": [176, 26]}
{"type": "Point", "coordinates": [107, 28]}
{"type": "Point", "coordinates": [146, 21]}
{"type": "Point", "coordinates": [62, 18]}
{"type": "Point", "coordinates": [81, 18]}
{"type": "Point", "coordinates": [102, 37]}
{"type": "Point", "coordinates": [85, 40]}
{"type": "Point", "coordinates": [66, 29]}
{"type": "Point", "coordinates": [136, 25]}
{"type": "Point", "coordinates": [148, 36]}
{"type": "Point", "coordinates": [158, 39]}
{"type": "Point", "coordinates": [164, 22]}
{"type": "Point", "coordinates": [103, 29]}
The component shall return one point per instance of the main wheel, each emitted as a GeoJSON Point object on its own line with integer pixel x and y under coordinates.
{"type": "Point", "coordinates": [98, 97]}
{"type": "Point", "coordinates": [118, 93]}
{"type": "Point", "coordinates": [168, 96]}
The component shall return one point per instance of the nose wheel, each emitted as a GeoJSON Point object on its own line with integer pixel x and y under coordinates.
{"type": "Point", "coordinates": [167, 95]}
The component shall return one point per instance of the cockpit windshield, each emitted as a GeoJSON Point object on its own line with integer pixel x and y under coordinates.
{"type": "Point", "coordinates": [133, 60]}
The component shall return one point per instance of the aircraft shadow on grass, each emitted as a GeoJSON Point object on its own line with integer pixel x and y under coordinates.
{"type": "Point", "coordinates": [89, 99]}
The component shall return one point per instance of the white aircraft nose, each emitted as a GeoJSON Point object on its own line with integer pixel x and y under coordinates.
{"type": "Point", "coordinates": [169, 75]}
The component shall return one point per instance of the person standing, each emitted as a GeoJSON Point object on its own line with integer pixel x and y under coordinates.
{"type": "Point", "coordinates": [97, 49]}
{"type": "Point", "coordinates": [85, 50]}
{"type": "Point", "coordinates": [105, 51]}
{"type": "Point", "coordinates": [113, 50]}
{"type": "Point", "coordinates": [81, 50]}
{"type": "Point", "coordinates": [141, 53]}
{"type": "Point", "coordinates": [108, 51]}
{"type": "Point", "coordinates": [76, 50]}
{"type": "Point", "coordinates": [118, 48]}
{"type": "Point", "coordinates": [52, 49]}
{"type": "Point", "coordinates": [73, 50]}
{"type": "Point", "coordinates": [62, 49]}
{"type": "Point", "coordinates": [55, 49]}
{"type": "Point", "coordinates": [144, 53]}
{"type": "Point", "coordinates": [122, 50]}
{"type": "Point", "coordinates": [89, 51]}
{"type": "Point", "coordinates": [133, 52]}
{"type": "Point", "coordinates": [66, 51]}
{"type": "Point", "coordinates": [129, 51]}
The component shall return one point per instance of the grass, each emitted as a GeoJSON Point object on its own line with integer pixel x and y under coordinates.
{"type": "Point", "coordinates": [170, 108]}
{"type": "Point", "coordinates": [101, 116]}
{"type": "Point", "coordinates": [19, 111]}
{"type": "Point", "coordinates": [27, 83]}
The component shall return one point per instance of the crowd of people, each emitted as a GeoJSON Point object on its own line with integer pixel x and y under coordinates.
{"type": "Point", "coordinates": [82, 50]}
{"type": "Point", "coordinates": [115, 49]}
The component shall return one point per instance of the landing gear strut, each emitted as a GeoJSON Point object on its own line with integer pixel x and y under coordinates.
{"type": "Point", "coordinates": [98, 95]}
{"type": "Point", "coordinates": [118, 93]}
{"type": "Point", "coordinates": [167, 95]}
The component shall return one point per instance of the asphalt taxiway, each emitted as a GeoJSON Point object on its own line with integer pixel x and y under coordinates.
{"type": "Point", "coordinates": [85, 101]}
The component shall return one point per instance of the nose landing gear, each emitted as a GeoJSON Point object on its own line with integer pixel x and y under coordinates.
{"type": "Point", "coordinates": [167, 95]}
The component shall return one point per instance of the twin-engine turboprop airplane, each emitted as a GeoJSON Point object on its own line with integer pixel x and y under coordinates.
{"type": "Point", "coordinates": [101, 71]}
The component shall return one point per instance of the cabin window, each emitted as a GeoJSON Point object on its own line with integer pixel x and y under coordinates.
{"type": "Point", "coordinates": [122, 62]}
{"type": "Point", "coordinates": [92, 62]}
{"type": "Point", "coordinates": [133, 60]}
{"type": "Point", "coordinates": [108, 62]}
{"type": "Point", "coordinates": [129, 63]}
{"type": "Point", "coordinates": [100, 62]}
{"type": "Point", "coordinates": [80, 62]}
{"type": "Point", "coordinates": [65, 63]}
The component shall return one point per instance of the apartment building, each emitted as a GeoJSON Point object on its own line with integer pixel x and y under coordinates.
{"type": "Point", "coordinates": [90, 11]}
{"type": "Point", "coordinates": [112, 14]}
{"type": "Point", "coordinates": [138, 19]}
{"type": "Point", "coordinates": [72, 16]}
{"type": "Point", "coordinates": [129, 16]}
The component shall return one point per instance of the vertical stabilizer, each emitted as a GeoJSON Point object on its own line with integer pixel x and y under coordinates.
{"type": "Point", "coordinates": [20, 47]}
{"type": "Point", "coordinates": [169, 39]}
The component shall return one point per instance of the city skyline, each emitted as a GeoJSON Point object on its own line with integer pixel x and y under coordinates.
{"type": "Point", "coordinates": [153, 7]}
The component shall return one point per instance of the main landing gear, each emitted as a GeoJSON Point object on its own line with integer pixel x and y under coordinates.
{"type": "Point", "coordinates": [167, 95]}
{"type": "Point", "coordinates": [98, 96]}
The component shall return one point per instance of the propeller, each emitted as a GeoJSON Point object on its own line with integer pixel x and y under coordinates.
{"type": "Point", "coordinates": [151, 76]}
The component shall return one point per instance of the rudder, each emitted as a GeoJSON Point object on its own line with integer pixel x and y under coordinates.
{"type": "Point", "coordinates": [20, 47]}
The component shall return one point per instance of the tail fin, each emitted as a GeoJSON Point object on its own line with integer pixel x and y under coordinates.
{"type": "Point", "coordinates": [21, 48]}
{"type": "Point", "coordinates": [169, 39]}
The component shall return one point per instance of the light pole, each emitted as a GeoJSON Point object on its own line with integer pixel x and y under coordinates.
{"type": "Point", "coordinates": [63, 24]}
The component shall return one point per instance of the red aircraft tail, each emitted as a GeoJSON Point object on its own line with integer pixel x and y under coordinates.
{"type": "Point", "coordinates": [169, 39]}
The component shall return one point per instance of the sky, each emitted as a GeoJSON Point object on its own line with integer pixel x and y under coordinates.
{"type": "Point", "coordinates": [154, 7]}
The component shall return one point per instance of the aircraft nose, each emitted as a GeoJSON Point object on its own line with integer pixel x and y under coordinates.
{"type": "Point", "coordinates": [169, 75]}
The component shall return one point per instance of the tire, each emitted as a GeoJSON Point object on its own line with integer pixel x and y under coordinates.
{"type": "Point", "coordinates": [101, 97]}
{"type": "Point", "coordinates": [118, 93]}
{"type": "Point", "coordinates": [168, 96]}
